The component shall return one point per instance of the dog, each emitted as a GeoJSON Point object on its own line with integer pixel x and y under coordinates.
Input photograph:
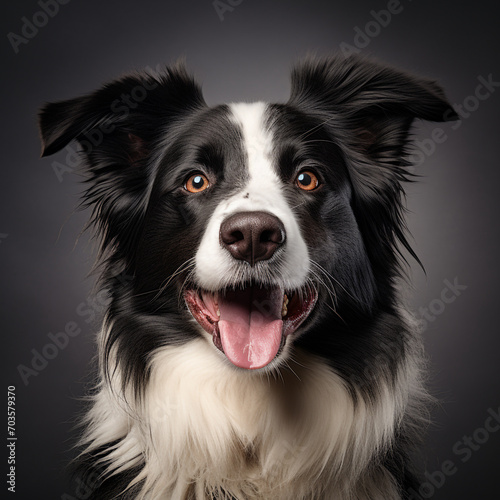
{"type": "Point", "coordinates": [256, 344]}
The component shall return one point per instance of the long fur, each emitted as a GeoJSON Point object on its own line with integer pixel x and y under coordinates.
{"type": "Point", "coordinates": [337, 413]}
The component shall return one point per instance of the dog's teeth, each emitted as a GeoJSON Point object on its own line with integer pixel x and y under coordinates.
{"type": "Point", "coordinates": [218, 312]}
{"type": "Point", "coordinates": [284, 309]}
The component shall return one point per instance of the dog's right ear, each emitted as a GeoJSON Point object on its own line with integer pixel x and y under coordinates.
{"type": "Point", "coordinates": [119, 127]}
{"type": "Point", "coordinates": [132, 108]}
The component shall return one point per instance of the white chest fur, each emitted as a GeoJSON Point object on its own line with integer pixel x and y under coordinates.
{"type": "Point", "coordinates": [205, 425]}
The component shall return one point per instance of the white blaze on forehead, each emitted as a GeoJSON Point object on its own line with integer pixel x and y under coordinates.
{"type": "Point", "coordinates": [257, 143]}
{"type": "Point", "coordinates": [262, 192]}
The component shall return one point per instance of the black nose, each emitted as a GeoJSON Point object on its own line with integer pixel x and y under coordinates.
{"type": "Point", "coordinates": [252, 236]}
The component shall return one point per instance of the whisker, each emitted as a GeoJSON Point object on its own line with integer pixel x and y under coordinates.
{"type": "Point", "coordinates": [183, 286]}
{"type": "Point", "coordinates": [278, 371]}
{"type": "Point", "coordinates": [326, 273]}
{"type": "Point", "coordinates": [299, 205]}
{"type": "Point", "coordinates": [309, 132]}
{"type": "Point", "coordinates": [183, 267]}
{"type": "Point", "coordinates": [311, 141]}
{"type": "Point", "coordinates": [329, 287]}
{"type": "Point", "coordinates": [285, 362]}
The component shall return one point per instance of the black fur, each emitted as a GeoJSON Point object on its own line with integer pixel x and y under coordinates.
{"type": "Point", "coordinates": [347, 118]}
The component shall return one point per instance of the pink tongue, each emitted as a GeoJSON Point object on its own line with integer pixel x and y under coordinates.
{"type": "Point", "coordinates": [250, 325]}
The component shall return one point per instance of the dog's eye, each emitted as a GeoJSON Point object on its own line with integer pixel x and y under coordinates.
{"type": "Point", "coordinates": [307, 180]}
{"type": "Point", "coordinates": [196, 183]}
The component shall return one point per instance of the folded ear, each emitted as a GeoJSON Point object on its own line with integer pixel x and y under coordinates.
{"type": "Point", "coordinates": [136, 104]}
{"type": "Point", "coordinates": [369, 108]}
{"type": "Point", "coordinates": [374, 104]}
{"type": "Point", "coordinates": [356, 85]}
{"type": "Point", "coordinates": [118, 127]}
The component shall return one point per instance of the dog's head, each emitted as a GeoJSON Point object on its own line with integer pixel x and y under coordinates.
{"type": "Point", "coordinates": [263, 219]}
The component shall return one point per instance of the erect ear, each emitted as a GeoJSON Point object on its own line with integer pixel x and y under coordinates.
{"type": "Point", "coordinates": [369, 108]}
{"type": "Point", "coordinates": [118, 127]}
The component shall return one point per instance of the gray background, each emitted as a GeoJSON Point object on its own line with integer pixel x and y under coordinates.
{"type": "Point", "coordinates": [247, 56]}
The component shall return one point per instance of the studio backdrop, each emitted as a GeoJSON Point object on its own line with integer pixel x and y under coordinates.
{"type": "Point", "coordinates": [242, 50]}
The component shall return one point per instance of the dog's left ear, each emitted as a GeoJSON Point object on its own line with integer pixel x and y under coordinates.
{"type": "Point", "coordinates": [369, 108]}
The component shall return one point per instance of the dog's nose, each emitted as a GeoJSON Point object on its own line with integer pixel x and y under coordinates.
{"type": "Point", "coordinates": [252, 236]}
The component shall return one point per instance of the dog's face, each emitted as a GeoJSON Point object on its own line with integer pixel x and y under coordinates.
{"type": "Point", "coordinates": [251, 206]}
{"type": "Point", "coordinates": [250, 223]}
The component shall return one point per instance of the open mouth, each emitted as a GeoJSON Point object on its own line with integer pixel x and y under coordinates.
{"type": "Point", "coordinates": [250, 324]}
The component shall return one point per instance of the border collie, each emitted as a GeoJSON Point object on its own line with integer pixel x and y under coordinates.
{"type": "Point", "coordinates": [256, 345]}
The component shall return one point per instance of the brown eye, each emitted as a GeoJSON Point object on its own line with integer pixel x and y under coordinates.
{"type": "Point", "coordinates": [196, 183]}
{"type": "Point", "coordinates": [306, 180]}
